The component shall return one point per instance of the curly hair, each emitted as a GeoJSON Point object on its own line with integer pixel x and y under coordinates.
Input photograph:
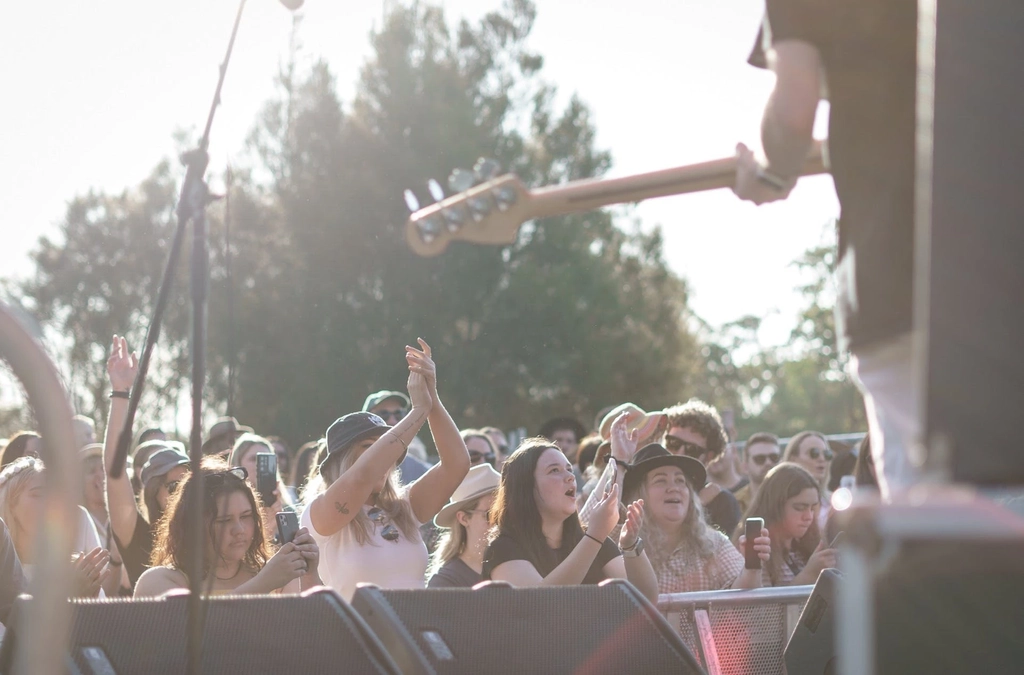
{"type": "Point", "coordinates": [172, 545]}
{"type": "Point", "coordinates": [702, 418]}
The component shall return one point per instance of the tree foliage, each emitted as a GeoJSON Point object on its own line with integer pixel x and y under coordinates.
{"type": "Point", "coordinates": [323, 293]}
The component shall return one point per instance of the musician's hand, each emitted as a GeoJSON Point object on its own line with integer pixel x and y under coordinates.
{"type": "Point", "coordinates": [749, 186]}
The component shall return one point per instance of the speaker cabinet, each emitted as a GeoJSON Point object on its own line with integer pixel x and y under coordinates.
{"type": "Point", "coordinates": [312, 633]}
{"type": "Point", "coordinates": [812, 647]}
{"type": "Point", "coordinates": [496, 629]}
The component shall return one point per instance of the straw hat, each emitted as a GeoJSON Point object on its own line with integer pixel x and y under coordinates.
{"type": "Point", "coordinates": [481, 481]}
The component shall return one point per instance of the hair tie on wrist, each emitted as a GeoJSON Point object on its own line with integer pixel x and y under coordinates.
{"type": "Point", "coordinates": [587, 534]}
{"type": "Point", "coordinates": [120, 394]}
{"type": "Point", "coordinates": [399, 438]}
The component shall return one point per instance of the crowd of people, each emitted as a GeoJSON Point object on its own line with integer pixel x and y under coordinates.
{"type": "Point", "coordinates": [657, 498]}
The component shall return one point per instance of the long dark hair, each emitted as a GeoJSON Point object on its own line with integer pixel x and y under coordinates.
{"type": "Point", "coordinates": [172, 547]}
{"type": "Point", "coordinates": [15, 448]}
{"type": "Point", "coordinates": [515, 513]}
{"type": "Point", "coordinates": [783, 482]}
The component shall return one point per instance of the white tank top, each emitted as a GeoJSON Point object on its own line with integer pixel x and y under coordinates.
{"type": "Point", "coordinates": [344, 562]}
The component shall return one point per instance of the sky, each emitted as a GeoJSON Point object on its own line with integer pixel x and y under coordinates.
{"type": "Point", "coordinates": [96, 90]}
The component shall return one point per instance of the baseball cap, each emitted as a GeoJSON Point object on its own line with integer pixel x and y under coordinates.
{"type": "Point", "coordinates": [374, 400]}
{"type": "Point", "coordinates": [160, 462]}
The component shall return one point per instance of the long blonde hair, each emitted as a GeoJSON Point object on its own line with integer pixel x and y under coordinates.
{"type": "Point", "coordinates": [697, 534]}
{"type": "Point", "coordinates": [13, 480]}
{"type": "Point", "coordinates": [391, 499]}
{"type": "Point", "coordinates": [453, 541]}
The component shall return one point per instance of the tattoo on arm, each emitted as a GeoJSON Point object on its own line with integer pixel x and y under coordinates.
{"type": "Point", "coordinates": [341, 507]}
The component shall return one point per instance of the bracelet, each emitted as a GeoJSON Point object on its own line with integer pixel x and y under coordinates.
{"type": "Point", "coordinates": [120, 394]}
{"type": "Point", "coordinates": [599, 542]}
{"type": "Point", "coordinates": [399, 438]}
{"type": "Point", "coordinates": [772, 180]}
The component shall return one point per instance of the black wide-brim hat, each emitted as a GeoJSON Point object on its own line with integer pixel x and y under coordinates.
{"type": "Point", "coordinates": [653, 456]}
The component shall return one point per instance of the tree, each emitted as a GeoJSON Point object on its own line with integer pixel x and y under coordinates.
{"type": "Point", "coordinates": [576, 314]}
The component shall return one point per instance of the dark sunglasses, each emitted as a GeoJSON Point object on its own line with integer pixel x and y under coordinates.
{"type": "Point", "coordinates": [761, 459]}
{"type": "Point", "coordinates": [815, 453]}
{"type": "Point", "coordinates": [390, 532]}
{"type": "Point", "coordinates": [478, 458]}
{"type": "Point", "coordinates": [398, 414]}
{"type": "Point", "coordinates": [674, 444]}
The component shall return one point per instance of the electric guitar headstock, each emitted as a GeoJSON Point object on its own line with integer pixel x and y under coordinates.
{"type": "Point", "coordinates": [484, 209]}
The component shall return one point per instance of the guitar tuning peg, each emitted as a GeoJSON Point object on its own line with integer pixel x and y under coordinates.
{"type": "Point", "coordinates": [411, 201]}
{"type": "Point", "coordinates": [460, 180]}
{"type": "Point", "coordinates": [429, 228]}
{"type": "Point", "coordinates": [485, 169]}
{"type": "Point", "coordinates": [504, 197]}
{"type": "Point", "coordinates": [435, 190]}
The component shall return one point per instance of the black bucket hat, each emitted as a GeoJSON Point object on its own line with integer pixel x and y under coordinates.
{"type": "Point", "coordinates": [652, 456]}
{"type": "Point", "coordinates": [353, 427]}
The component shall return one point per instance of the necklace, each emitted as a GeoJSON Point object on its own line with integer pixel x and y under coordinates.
{"type": "Point", "coordinates": [237, 572]}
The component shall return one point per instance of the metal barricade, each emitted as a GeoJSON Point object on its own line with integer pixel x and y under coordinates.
{"type": "Point", "coordinates": [741, 632]}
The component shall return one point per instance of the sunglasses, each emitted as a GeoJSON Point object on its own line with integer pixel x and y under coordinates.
{"type": "Point", "coordinates": [390, 532]}
{"type": "Point", "coordinates": [674, 444]}
{"type": "Point", "coordinates": [761, 459]}
{"type": "Point", "coordinates": [479, 458]}
{"type": "Point", "coordinates": [815, 453]}
{"type": "Point", "coordinates": [398, 414]}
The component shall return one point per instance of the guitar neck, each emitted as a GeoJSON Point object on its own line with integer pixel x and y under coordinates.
{"type": "Point", "coordinates": [586, 195]}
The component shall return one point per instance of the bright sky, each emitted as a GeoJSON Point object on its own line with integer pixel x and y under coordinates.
{"type": "Point", "coordinates": [95, 91]}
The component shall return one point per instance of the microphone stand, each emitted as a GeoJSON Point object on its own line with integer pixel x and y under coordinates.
{"type": "Point", "coordinates": [192, 202]}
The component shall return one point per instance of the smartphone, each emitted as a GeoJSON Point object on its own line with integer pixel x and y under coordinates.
{"type": "Point", "coordinates": [752, 530]}
{"type": "Point", "coordinates": [838, 540]}
{"type": "Point", "coordinates": [266, 476]}
{"type": "Point", "coordinates": [287, 526]}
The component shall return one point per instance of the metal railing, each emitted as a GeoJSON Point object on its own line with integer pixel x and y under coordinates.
{"type": "Point", "coordinates": [741, 632]}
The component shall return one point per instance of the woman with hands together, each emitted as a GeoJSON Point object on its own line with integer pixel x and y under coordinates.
{"type": "Point", "coordinates": [537, 538]}
{"type": "Point", "coordinates": [366, 525]}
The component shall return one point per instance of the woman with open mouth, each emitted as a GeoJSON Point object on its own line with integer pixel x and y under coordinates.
{"type": "Point", "coordinates": [537, 539]}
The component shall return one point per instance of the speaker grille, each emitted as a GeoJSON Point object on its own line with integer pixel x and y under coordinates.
{"type": "Point", "coordinates": [572, 629]}
{"type": "Point", "coordinates": [258, 634]}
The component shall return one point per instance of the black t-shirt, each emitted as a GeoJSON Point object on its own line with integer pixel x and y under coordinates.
{"type": "Point", "coordinates": [723, 513]}
{"type": "Point", "coordinates": [136, 554]}
{"type": "Point", "coordinates": [504, 548]}
{"type": "Point", "coordinates": [869, 53]}
{"type": "Point", "coordinates": [455, 574]}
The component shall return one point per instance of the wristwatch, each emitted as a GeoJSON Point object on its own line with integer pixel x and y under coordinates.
{"type": "Point", "coordinates": [635, 550]}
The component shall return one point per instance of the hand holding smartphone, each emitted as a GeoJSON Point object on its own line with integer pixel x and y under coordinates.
{"type": "Point", "coordinates": [752, 530]}
{"type": "Point", "coordinates": [287, 526]}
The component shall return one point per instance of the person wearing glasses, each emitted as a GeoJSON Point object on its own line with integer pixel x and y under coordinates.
{"type": "Point", "coordinates": [500, 442]}
{"type": "Point", "coordinates": [788, 501]}
{"type": "Point", "coordinates": [238, 558]}
{"type": "Point", "coordinates": [458, 560]}
{"type": "Point", "coordinates": [810, 450]}
{"type": "Point", "coordinates": [481, 448]}
{"type": "Point", "coordinates": [695, 430]}
{"type": "Point", "coordinates": [760, 453]}
{"type": "Point", "coordinates": [392, 407]}
{"type": "Point", "coordinates": [366, 523]}
{"type": "Point", "coordinates": [132, 521]}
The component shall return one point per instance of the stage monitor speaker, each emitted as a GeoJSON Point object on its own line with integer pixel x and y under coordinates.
{"type": "Point", "coordinates": [496, 629]}
{"type": "Point", "coordinates": [812, 647]}
{"type": "Point", "coordinates": [312, 633]}
{"type": "Point", "coordinates": [970, 238]}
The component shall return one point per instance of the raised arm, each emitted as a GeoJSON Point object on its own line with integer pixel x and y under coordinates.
{"type": "Point", "coordinates": [121, 368]}
{"type": "Point", "coordinates": [636, 569]}
{"type": "Point", "coordinates": [433, 489]}
{"type": "Point", "coordinates": [574, 568]}
{"type": "Point", "coordinates": [340, 502]}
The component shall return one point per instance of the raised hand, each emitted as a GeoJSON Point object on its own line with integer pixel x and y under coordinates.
{"type": "Point", "coordinates": [605, 515]}
{"type": "Point", "coordinates": [122, 365]}
{"type": "Point", "coordinates": [90, 572]}
{"type": "Point", "coordinates": [420, 361]}
{"type": "Point", "coordinates": [622, 439]}
{"type": "Point", "coordinates": [631, 529]}
{"type": "Point", "coordinates": [762, 544]}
